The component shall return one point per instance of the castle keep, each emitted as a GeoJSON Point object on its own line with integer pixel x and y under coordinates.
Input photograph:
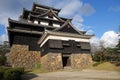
{"type": "Point", "coordinates": [40, 36]}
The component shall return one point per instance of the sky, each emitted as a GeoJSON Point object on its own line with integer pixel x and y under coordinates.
{"type": "Point", "coordinates": [99, 17]}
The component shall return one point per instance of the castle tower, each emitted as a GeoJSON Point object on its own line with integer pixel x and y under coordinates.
{"type": "Point", "coordinates": [40, 36]}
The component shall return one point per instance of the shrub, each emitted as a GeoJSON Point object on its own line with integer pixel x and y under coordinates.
{"type": "Point", "coordinates": [98, 57]}
{"type": "Point", "coordinates": [13, 74]}
{"type": "Point", "coordinates": [97, 63]}
{"type": "Point", "coordinates": [19, 70]}
{"type": "Point", "coordinates": [2, 70]}
{"type": "Point", "coordinates": [2, 60]}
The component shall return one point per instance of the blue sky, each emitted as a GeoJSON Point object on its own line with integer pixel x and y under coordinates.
{"type": "Point", "coordinates": [106, 16]}
{"type": "Point", "coordinates": [95, 16]}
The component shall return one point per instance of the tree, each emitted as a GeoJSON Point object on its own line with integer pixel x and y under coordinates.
{"type": "Point", "coordinates": [4, 49]}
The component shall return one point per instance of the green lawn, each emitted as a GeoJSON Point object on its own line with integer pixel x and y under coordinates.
{"type": "Point", "coordinates": [106, 66]}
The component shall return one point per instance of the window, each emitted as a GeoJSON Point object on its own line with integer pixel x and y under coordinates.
{"type": "Point", "coordinates": [36, 22]}
{"type": "Point", "coordinates": [50, 23]}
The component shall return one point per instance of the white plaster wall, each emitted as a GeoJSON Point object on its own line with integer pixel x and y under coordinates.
{"type": "Point", "coordinates": [46, 16]}
{"type": "Point", "coordinates": [44, 23]}
{"type": "Point", "coordinates": [63, 38]}
{"type": "Point", "coordinates": [36, 22]}
{"type": "Point", "coordinates": [56, 25]}
{"type": "Point", "coordinates": [55, 18]}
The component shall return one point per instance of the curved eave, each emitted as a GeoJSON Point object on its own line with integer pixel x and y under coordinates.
{"type": "Point", "coordinates": [46, 33]}
{"type": "Point", "coordinates": [27, 12]}
{"type": "Point", "coordinates": [69, 34]}
{"type": "Point", "coordinates": [83, 32]}
{"type": "Point", "coordinates": [47, 19]}
{"type": "Point", "coordinates": [65, 19]}
{"type": "Point", "coordinates": [24, 31]}
{"type": "Point", "coordinates": [27, 23]}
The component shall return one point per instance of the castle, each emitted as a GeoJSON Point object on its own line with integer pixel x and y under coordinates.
{"type": "Point", "coordinates": [40, 36]}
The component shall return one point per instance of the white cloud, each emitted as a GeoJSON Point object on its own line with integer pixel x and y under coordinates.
{"type": "Point", "coordinates": [115, 8]}
{"type": "Point", "coordinates": [109, 39]}
{"type": "Point", "coordinates": [95, 44]}
{"type": "Point", "coordinates": [90, 32]}
{"type": "Point", "coordinates": [87, 9]}
{"type": "Point", "coordinates": [4, 18]}
{"type": "Point", "coordinates": [3, 37]}
{"type": "Point", "coordinates": [9, 9]}
{"type": "Point", "coordinates": [71, 8]}
{"type": "Point", "coordinates": [77, 22]}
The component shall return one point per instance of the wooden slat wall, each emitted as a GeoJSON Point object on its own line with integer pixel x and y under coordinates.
{"type": "Point", "coordinates": [25, 39]}
{"type": "Point", "coordinates": [65, 47]}
{"type": "Point", "coordinates": [55, 44]}
{"type": "Point", "coordinates": [85, 45]}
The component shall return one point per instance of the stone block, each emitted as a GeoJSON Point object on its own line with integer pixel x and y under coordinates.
{"type": "Point", "coordinates": [81, 60]}
{"type": "Point", "coordinates": [52, 61]}
{"type": "Point", "coordinates": [20, 56]}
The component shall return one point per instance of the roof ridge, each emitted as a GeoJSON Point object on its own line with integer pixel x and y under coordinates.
{"type": "Point", "coordinates": [38, 4]}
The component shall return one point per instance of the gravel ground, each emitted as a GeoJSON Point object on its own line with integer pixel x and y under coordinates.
{"type": "Point", "coordinates": [74, 75]}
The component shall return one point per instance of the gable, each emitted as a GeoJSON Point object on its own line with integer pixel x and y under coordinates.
{"type": "Point", "coordinates": [68, 28]}
{"type": "Point", "coordinates": [51, 15]}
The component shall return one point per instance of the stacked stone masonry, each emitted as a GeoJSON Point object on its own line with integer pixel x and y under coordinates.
{"type": "Point", "coordinates": [20, 56]}
{"type": "Point", "coordinates": [81, 60]}
{"type": "Point", "coordinates": [52, 61]}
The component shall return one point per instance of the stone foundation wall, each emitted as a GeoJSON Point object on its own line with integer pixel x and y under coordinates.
{"type": "Point", "coordinates": [20, 56]}
{"type": "Point", "coordinates": [79, 61]}
{"type": "Point", "coordinates": [52, 61]}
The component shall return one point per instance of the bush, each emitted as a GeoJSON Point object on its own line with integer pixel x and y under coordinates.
{"type": "Point", "coordinates": [2, 70]}
{"type": "Point", "coordinates": [2, 60]}
{"type": "Point", "coordinates": [98, 57]}
{"type": "Point", "coordinates": [13, 74]}
{"type": "Point", "coordinates": [97, 63]}
{"type": "Point", "coordinates": [19, 70]}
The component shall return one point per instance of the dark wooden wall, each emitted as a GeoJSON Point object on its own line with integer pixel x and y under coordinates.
{"type": "Point", "coordinates": [26, 39]}
{"type": "Point", "coordinates": [70, 46]}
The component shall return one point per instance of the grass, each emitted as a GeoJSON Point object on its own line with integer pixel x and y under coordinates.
{"type": "Point", "coordinates": [95, 66]}
{"type": "Point", "coordinates": [38, 71]}
{"type": "Point", "coordinates": [105, 66]}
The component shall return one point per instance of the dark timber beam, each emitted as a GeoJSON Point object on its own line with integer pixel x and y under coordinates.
{"type": "Point", "coordinates": [25, 31]}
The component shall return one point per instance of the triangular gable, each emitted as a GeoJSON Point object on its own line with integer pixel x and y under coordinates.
{"type": "Point", "coordinates": [52, 13]}
{"type": "Point", "coordinates": [68, 27]}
